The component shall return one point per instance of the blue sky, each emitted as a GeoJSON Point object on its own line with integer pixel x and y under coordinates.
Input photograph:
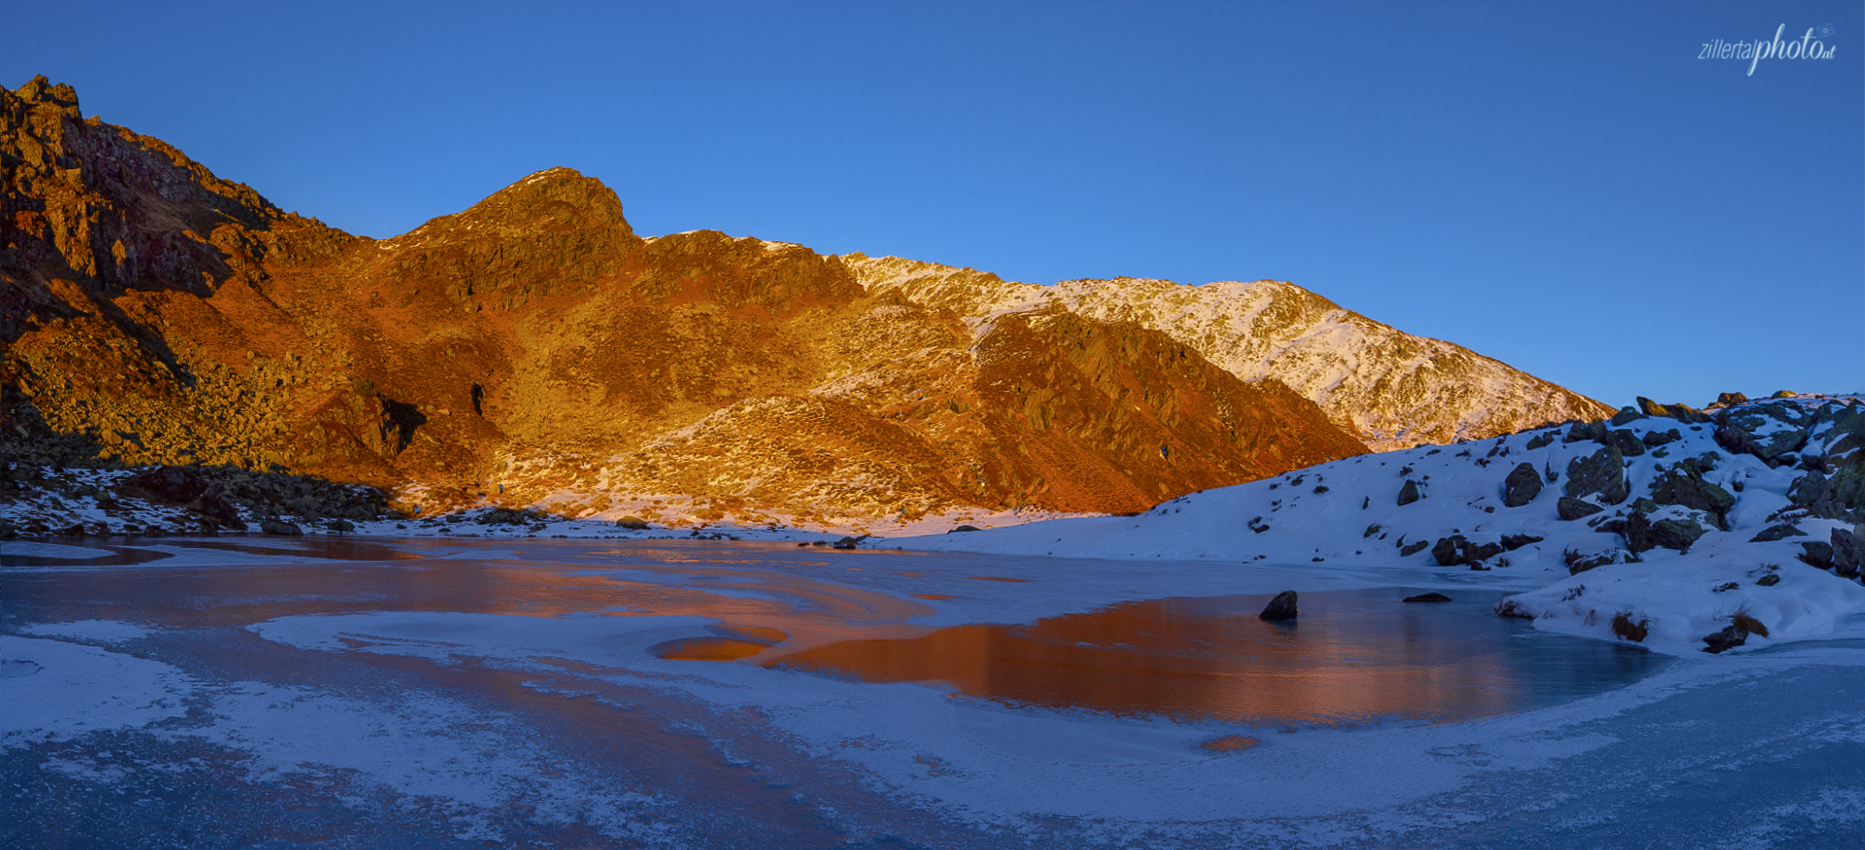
{"type": "Point", "coordinates": [1564, 186]}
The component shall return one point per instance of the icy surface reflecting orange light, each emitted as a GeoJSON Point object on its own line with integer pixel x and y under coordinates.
{"type": "Point", "coordinates": [1351, 657]}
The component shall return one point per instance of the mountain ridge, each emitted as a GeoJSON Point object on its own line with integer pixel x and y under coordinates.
{"type": "Point", "coordinates": [534, 350]}
{"type": "Point", "coordinates": [1418, 391]}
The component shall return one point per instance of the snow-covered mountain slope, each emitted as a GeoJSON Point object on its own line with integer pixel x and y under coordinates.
{"type": "Point", "coordinates": [1392, 389]}
{"type": "Point", "coordinates": [1678, 521]}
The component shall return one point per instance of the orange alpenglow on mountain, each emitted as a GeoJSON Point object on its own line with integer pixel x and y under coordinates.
{"type": "Point", "coordinates": [534, 349]}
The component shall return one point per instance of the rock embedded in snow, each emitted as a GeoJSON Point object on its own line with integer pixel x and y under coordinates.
{"type": "Point", "coordinates": [1570, 508]}
{"type": "Point", "coordinates": [1729, 638]}
{"type": "Point", "coordinates": [1683, 484]}
{"type": "Point", "coordinates": [1522, 486]}
{"type": "Point", "coordinates": [1848, 551]}
{"type": "Point", "coordinates": [1777, 532]}
{"type": "Point", "coordinates": [1409, 493]}
{"type": "Point", "coordinates": [1601, 473]}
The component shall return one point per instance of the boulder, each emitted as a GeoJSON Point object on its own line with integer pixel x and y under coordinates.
{"type": "Point", "coordinates": [216, 505]}
{"type": "Point", "coordinates": [279, 528]}
{"type": "Point", "coordinates": [1433, 596]}
{"type": "Point", "coordinates": [511, 516]}
{"type": "Point", "coordinates": [1280, 608]}
{"type": "Point", "coordinates": [1780, 531]}
{"type": "Point", "coordinates": [1727, 639]}
{"type": "Point", "coordinates": [1765, 431]}
{"type": "Point", "coordinates": [632, 523]}
{"type": "Point", "coordinates": [1817, 554]}
{"type": "Point", "coordinates": [1512, 542]}
{"type": "Point", "coordinates": [172, 484]}
{"type": "Point", "coordinates": [1579, 562]}
{"type": "Point", "coordinates": [1409, 493]}
{"type": "Point", "coordinates": [1625, 415]}
{"type": "Point", "coordinates": [1726, 399]}
{"type": "Point", "coordinates": [1412, 548]}
{"type": "Point", "coordinates": [1682, 484]}
{"type": "Point", "coordinates": [1585, 431]}
{"type": "Point", "coordinates": [1510, 607]}
{"type": "Point", "coordinates": [1456, 549]}
{"type": "Point", "coordinates": [1680, 412]}
{"type": "Point", "coordinates": [1627, 441]}
{"type": "Point", "coordinates": [1571, 508]}
{"type": "Point", "coordinates": [1654, 439]}
{"type": "Point", "coordinates": [1641, 534]}
{"type": "Point", "coordinates": [1522, 486]}
{"type": "Point", "coordinates": [1601, 473]}
{"type": "Point", "coordinates": [1848, 551]}
{"type": "Point", "coordinates": [1768, 580]}
{"type": "Point", "coordinates": [1844, 435]}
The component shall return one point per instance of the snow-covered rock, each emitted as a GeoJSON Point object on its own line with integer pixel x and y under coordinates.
{"type": "Point", "coordinates": [1680, 523]}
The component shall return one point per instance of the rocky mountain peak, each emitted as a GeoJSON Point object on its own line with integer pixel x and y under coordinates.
{"type": "Point", "coordinates": [39, 93]}
{"type": "Point", "coordinates": [543, 234]}
{"type": "Point", "coordinates": [555, 199]}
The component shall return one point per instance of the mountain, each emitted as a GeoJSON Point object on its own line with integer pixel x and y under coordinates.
{"type": "Point", "coordinates": [1391, 389]}
{"type": "Point", "coordinates": [533, 350]}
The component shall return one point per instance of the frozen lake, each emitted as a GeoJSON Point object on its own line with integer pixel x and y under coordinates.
{"type": "Point", "coordinates": [443, 693]}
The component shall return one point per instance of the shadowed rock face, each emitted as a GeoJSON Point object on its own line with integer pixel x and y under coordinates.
{"type": "Point", "coordinates": [534, 346]}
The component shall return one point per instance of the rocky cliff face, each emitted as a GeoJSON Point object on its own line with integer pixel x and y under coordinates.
{"type": "Point", "coordinates": [1389, 388]}
{"type": "Point", "coordinates": [534, 350]}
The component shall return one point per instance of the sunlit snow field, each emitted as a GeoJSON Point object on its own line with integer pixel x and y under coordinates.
{"type": "Point", "coordinates": [577, 693]}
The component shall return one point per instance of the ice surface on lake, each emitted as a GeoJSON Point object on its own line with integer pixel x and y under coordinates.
{"type": "Point", "coordinates": [506, 693]}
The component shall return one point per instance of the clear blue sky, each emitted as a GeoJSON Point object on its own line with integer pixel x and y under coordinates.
{"type": "Point", "coordinates": [1564, 186]}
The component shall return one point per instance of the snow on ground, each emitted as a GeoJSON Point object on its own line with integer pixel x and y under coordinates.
{"type": "Point", "coordinates": [1358, 511]}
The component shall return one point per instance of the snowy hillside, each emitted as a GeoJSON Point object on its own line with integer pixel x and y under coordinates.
{"type": "Point", "coordinates": [1679, 521]}
{"type": "Point", "coordinates": [1392, 389]}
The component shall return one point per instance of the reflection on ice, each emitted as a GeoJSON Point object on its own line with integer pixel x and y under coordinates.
{"type": "Point", "coordinates": [1351, 656]}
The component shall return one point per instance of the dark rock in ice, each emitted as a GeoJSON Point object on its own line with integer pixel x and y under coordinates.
{"type": "Point", "coordinates": [1280, 608]}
